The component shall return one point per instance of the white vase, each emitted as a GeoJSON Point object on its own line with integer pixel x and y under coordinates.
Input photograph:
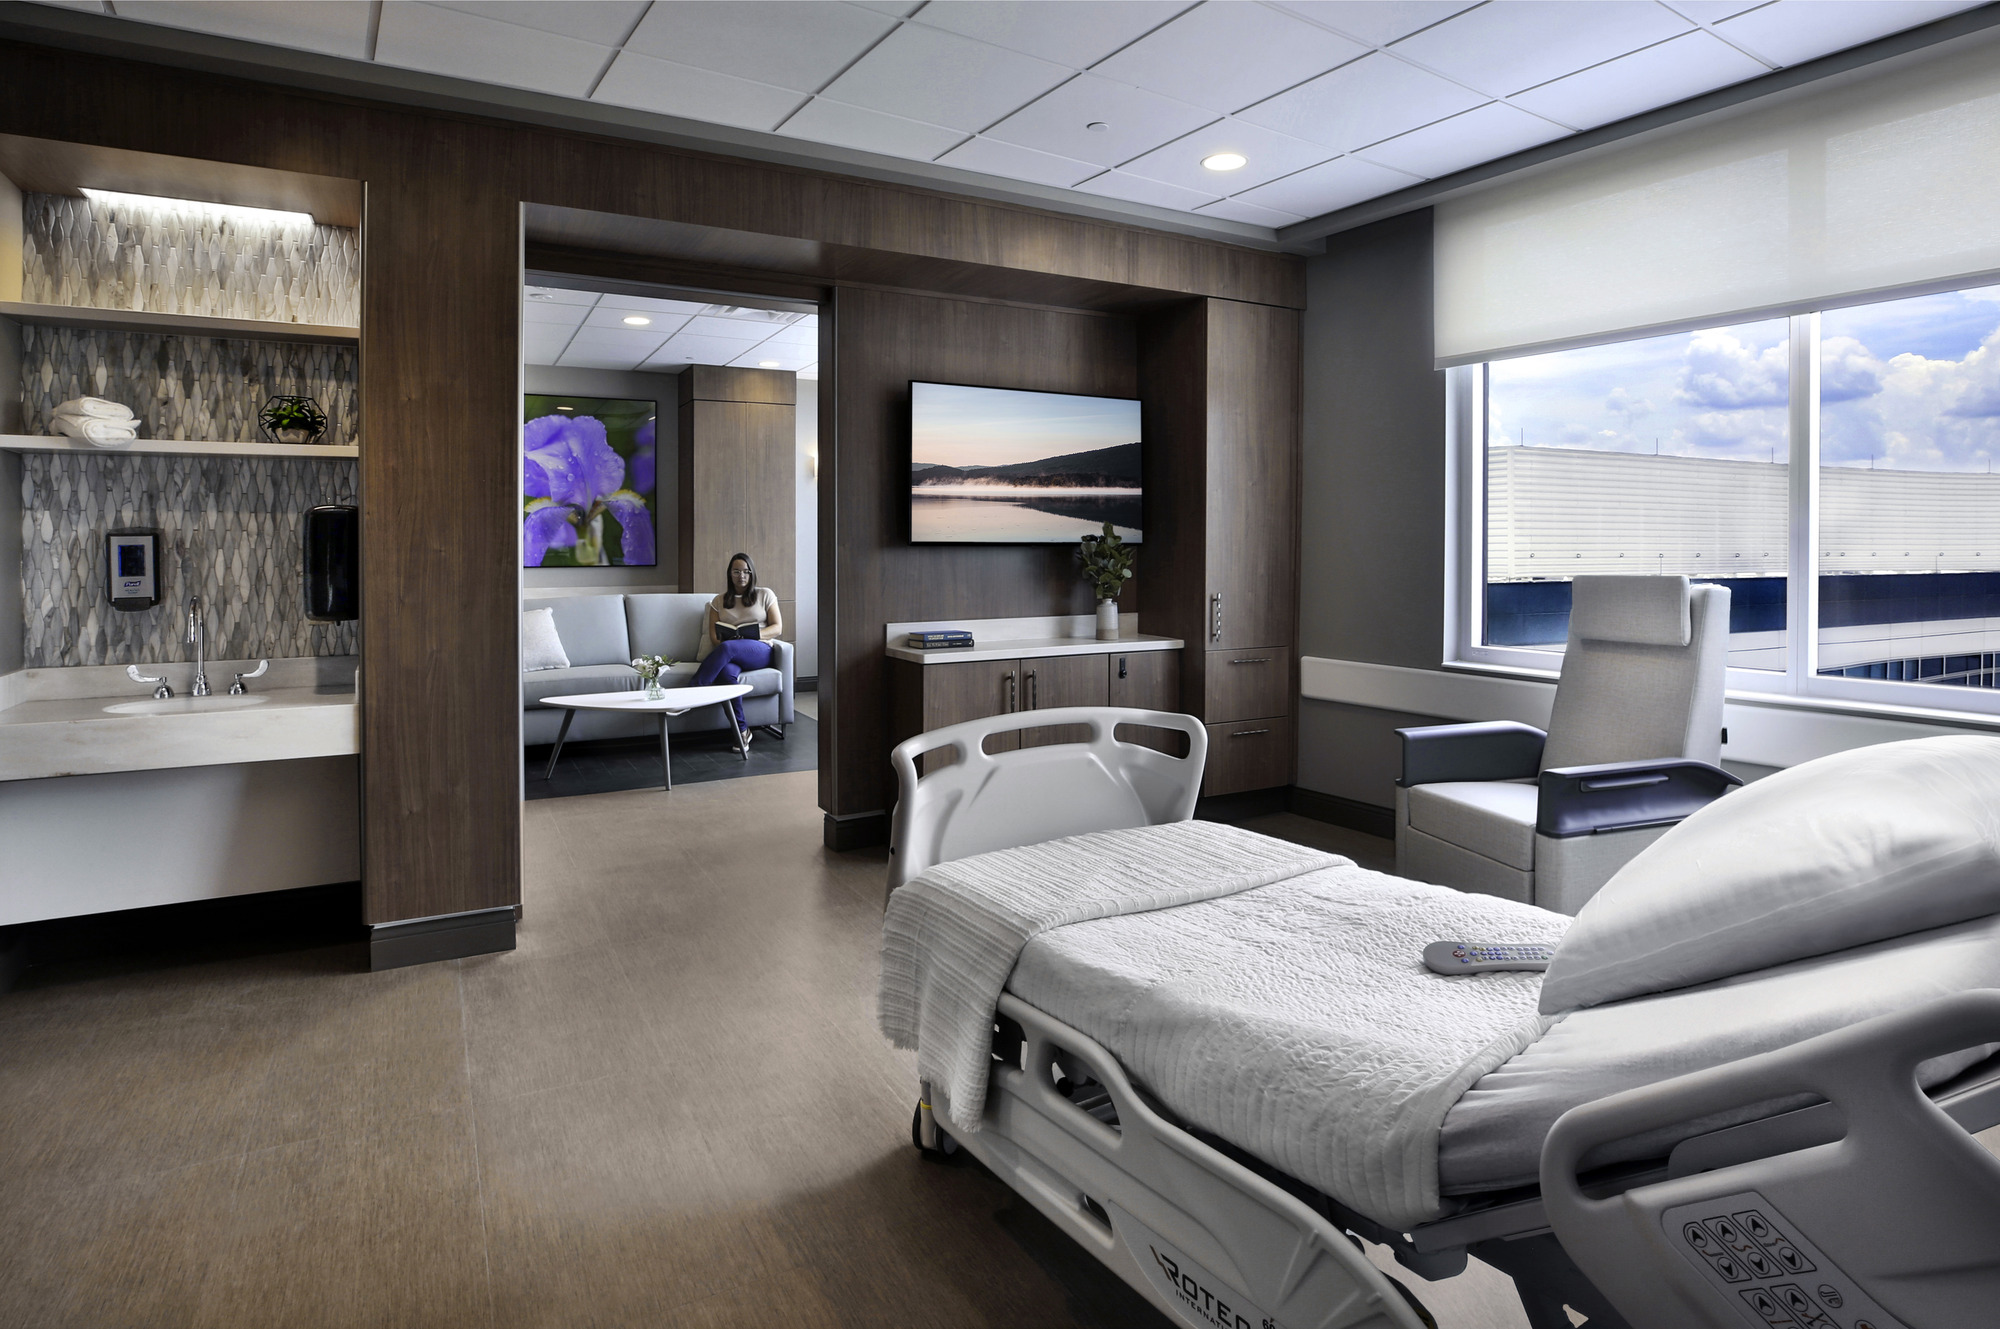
{"type": "Point", "coordinates": [1107, 620]}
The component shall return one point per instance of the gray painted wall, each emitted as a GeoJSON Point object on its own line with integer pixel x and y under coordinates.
{"type": "Point", "coordinates": [664, 389]}
{"type": "Point", "coordinates": [1374, 497]}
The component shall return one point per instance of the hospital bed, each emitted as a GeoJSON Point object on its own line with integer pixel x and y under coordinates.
{"type": "Point", "coordinates": [1786, 1146]}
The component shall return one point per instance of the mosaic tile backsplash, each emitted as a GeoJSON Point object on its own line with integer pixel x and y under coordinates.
{"type": "Point", "coordinates": [187, 260]}
{"type": "Point", "coordinates": [204, 388]}
{"type": "Point", "coordinates": [231, 532]}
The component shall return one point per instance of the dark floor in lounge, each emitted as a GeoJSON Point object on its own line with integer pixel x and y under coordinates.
{"type": "Point", "coordinates": [614, 765]}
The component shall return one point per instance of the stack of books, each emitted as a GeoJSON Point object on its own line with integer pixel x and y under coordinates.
{"type": "Point", "coordinates": [931, 641]}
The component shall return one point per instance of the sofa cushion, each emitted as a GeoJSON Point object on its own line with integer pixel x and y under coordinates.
{"type": "Point", "coordinates": [592, 627]}
{"type": "Point", "coordinates": [1495, 818]}
{"type": "Point", "coordinates": [575, 680]}
{"type": "Point", "coordinates": [664, 624]}
{"type": "Point", "coordinates": [541, 644]}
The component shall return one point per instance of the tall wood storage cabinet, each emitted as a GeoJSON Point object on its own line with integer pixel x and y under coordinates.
{"type": "Point", "coordinates": [1220, 380]}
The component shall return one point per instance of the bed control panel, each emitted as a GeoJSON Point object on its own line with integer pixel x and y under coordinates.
{"type": "Point", "coordinates": [1759, 1263]}
{"type": "Point", "coordinates": [1472, 957]}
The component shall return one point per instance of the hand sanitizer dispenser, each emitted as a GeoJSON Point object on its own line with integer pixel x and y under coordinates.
{"type": "Point", "coordinates": [132, 569]}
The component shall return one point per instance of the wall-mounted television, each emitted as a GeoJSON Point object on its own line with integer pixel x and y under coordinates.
{"type": "Point", "coordinates": [999, 466]}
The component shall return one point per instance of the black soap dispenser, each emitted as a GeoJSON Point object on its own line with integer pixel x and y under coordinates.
{"type": "Point", "coordinates": [333, 564]}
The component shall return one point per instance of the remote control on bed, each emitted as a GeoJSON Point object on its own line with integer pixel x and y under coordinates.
{"type": "Point", "coordinates": [1467, 957]}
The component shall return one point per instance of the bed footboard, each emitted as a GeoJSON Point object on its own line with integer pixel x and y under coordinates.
{"type": "Point", "coordinates": [1210, 1243]}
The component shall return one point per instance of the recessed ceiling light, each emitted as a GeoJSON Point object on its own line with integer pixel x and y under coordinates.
{"type": "Point", "coordinates": [1225, 161]}
{"type": "Point", "coordinates": [767, 364]}
{"type": "Point", "coordinates": [1097, 126]}
{"type": "Point", "coordinates": [636, 320]}
{"type": "Point", "coordinates": [541, 295]}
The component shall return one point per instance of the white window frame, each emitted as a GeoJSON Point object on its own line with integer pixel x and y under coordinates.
{"type": "Point", "coordinates": [1800, 681]}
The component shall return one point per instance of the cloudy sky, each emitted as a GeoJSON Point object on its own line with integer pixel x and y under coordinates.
{"type": "Point", "coordinates": [1912, 384]}
{"type": "Point", "coordinates": [955, 426]}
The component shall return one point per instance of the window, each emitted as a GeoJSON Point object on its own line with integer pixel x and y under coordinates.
{"type": "Point", "coordinates": [1673, 454]}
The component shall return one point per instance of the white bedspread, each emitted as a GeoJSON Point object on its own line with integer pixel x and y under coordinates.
{"type": "Point", "coordinates": [951, 935]}
{"type": "Point", "coordinates": [1298, 1022]}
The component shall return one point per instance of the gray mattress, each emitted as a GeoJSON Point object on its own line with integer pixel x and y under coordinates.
{"type": "Point", "coordinates": [1492, 1137]}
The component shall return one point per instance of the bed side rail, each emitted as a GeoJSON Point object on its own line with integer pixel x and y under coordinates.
{"type": "Point", "coordinates": [984, 801]}
{"type": "Point", "coordinates": [1895, 1223]}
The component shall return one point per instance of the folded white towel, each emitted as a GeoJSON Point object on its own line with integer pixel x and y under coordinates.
{"type": "Point", "coordinates": [104, 433]}
{"type": "Point", "coordinates": [94, 408]}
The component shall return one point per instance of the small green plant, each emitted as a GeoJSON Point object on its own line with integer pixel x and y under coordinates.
{"type": "Point", "coordinates": [1107, 562]}
{"type": "Point", "coordinates": [651, 666]}
{"type": "Point", "coordinates": [293, 413]}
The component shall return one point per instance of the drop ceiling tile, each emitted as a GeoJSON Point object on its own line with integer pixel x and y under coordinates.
{"type": "Point", "coordinates": [1480, 135]}
{"type": "Point", "coordinates": [1084, 31]}
{"type": "Point", "coordinates": [686, 350]}
{"type": "Point", "coordinates": [1235, 209]}
{"type": "Point", "coordinates": [661, 327]}
{"type": "Point", "coordinates": [727, 329]}
{"type": "Point", "coordinates": [605, 22]}
{"type": "Point", "coordinates": [1138, 189]}
{"type": "Point", "coordinates": [557, 316]}
{"type": "Point", "coordinates": [1226, 56]}
{"type": "Point", "coordinates": [810, 373]}
{"type": "Point", "coordinates": [800, 336]}
{"type": "Point", "coordinates": [942, 78]}
{"type": "Point", "coordinates": [1270, 154]}
{"type": "Point", "coordinates": [332, 27]}
{"type": "Point", "coordinates": [1375, 97]}
{"type": "Point", "coordinates": [1327, 187]}
{"type": "Point", "coordinates": [1657, 76]}
{"type": "Point", "coordinates": [542, 343]}
{"type": "Point", "coordinates": [1503, 48]}
{"type": "Point", "coordinates": [773, 359]}
{"type": "Point", "coordinates": [1018, 163]}
{"type": "Point", "coordinates": [846, 126]}
{"type": "Point", "coordinates": [646, 304]}
{"type": "Point", "coordinates": [1377, 22]}
{"type": "Point", "coordinates": [1135, 121]}
{"type": "Point", "coordinates": [1713, 11]}
{"type": "Point", "coordinates": [646, 84]}
{"type": "Point", "coordinates": [558, 295]}
{"type": "Point", "coordinates": [893, 8]}
{"type": "Point", "coordinates": [635, 344]}
{"type": "Point", "coordinates": [463, 45]}
{"type": "Point", "coordinates": [1791, 32]}
{"type": "Point", "coordinates": [796, 44]}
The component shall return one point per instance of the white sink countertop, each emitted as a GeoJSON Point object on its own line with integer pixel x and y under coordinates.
{"type": "Point", "coordinates": [1017, 638]}
{"type": "Point", "coordinates": [51, 731]}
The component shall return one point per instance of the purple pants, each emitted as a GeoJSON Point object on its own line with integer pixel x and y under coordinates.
{"type": "Point", "coordinates": [726, 663]}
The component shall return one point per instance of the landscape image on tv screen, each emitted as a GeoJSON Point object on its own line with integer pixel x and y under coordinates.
{"type": "Point", "coordinates": [995, 466]}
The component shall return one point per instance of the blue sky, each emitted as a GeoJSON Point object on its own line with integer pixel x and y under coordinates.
{"type": "Point", "coordinates": [1912, 384]}
{"type": "Point", "coordinates": [957, 426]}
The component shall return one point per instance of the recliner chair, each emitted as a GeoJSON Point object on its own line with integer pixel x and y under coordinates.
{"type": "Point", "coordinates": [1632, 747]}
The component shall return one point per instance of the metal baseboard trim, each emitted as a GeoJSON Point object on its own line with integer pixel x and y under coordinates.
{"type": "Point", "coordinates": [447, 937]}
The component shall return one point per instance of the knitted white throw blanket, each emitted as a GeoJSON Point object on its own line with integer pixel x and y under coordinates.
{"type": "Point", "coordinates": [952, 934]}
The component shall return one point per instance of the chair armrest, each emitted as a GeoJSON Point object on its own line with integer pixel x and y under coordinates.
{"type": "Point", "coordinates": [782, 657]}
{"type": "Point", "coordinates": [1626, 795]}
{"type": "Point", "coordinates": [1484, 750]}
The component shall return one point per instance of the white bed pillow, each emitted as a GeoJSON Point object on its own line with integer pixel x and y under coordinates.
{"type": "Point", "coordinates": [541, 648]}
{"type": "Point", "coordinates": [1850, 849]}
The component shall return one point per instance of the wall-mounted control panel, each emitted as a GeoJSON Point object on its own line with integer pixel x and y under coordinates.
{"type": "Point", "coordinates": [132, 569]}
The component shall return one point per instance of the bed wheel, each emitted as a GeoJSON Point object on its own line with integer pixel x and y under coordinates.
{"type": "Point", "coordinates": [946, 1146]}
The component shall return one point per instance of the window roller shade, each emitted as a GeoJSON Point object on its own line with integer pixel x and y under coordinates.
{"type": "Point", "coordinates": [1882, 179]}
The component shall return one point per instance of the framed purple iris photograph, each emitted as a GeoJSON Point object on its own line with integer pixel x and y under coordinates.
{"type": "Point", "coordinates": [587, 488]}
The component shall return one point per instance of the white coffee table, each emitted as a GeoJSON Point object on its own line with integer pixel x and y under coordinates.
{"type": "Point", "coordinates": [678, 701]}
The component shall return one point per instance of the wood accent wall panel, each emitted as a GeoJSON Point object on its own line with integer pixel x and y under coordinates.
{"type": "Point", "coordinates": [1252, 477]}
{"type": "Point", "coordinates": [870, 574]}
{"type": "Point", "coordinates": [738, 478]}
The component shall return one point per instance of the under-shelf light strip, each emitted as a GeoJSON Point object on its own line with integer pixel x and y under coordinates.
{"type": "Point", "coordinates": [269, 216]}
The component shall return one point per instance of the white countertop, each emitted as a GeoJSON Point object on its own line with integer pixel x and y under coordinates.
{"type": "Point", "coordinates": [1033, 648]}
{"type": "Point", "coordinates": [79, 736]}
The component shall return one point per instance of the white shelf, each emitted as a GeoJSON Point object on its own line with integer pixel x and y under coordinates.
{"type": "Point", "coordinates": [177, 448]}
{"type": "Point", "coordinates": [187, 325]}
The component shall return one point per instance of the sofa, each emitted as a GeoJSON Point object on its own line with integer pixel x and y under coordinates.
{"type": "Point", "coordinates": [602, 633]}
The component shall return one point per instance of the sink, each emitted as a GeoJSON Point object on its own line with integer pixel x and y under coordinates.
{"type": "Point", "coordinates": [184, 705]}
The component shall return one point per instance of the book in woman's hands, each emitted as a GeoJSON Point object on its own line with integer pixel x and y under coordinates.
{"type": "Point", "coordinates": [745, 632]}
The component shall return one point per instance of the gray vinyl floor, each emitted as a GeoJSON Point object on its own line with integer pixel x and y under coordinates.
{"type": "Point", "coordinates": [668, 1107]}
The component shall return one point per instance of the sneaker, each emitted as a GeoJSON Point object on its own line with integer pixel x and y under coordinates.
{"type": "Point", "coordinates": [747, 736]}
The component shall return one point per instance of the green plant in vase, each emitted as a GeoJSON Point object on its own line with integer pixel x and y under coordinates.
{"type": "Point", "coordinates": [1107, 565]}
{"type": "Point", "coordinates": [650, 668]}
{"type": "Point", "coordinates": [292, 420]}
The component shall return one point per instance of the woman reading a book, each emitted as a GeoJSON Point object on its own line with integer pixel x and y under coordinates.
{"type": "Point", "coordinates": [737, 628]}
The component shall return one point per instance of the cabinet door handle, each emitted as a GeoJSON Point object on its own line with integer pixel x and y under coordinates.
{"type": "Point", "coordinates": [1013, 695]}
{"type": "Point", "coordinates": [1215, 617]}
{"type": "Point", "coordinates": [1249, 733]}
{"type": "Point", "coordinates": [1034, 692]}
{"type": "Point", "coordinates": [1121, 666]}
{"type": "Point", "coordinates": [1262, 660]}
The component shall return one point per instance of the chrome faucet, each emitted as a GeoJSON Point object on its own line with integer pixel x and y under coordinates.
{"type": "Point", "coordinates": [199, 637]}
{"type": "Point", "coordinates": [160, 693]}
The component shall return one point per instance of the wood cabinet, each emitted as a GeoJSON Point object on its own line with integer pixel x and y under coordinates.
{"type": "Point", "coordinates": [929, 696]}
{"type": "Point", "coordinates": [1219, 382]}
